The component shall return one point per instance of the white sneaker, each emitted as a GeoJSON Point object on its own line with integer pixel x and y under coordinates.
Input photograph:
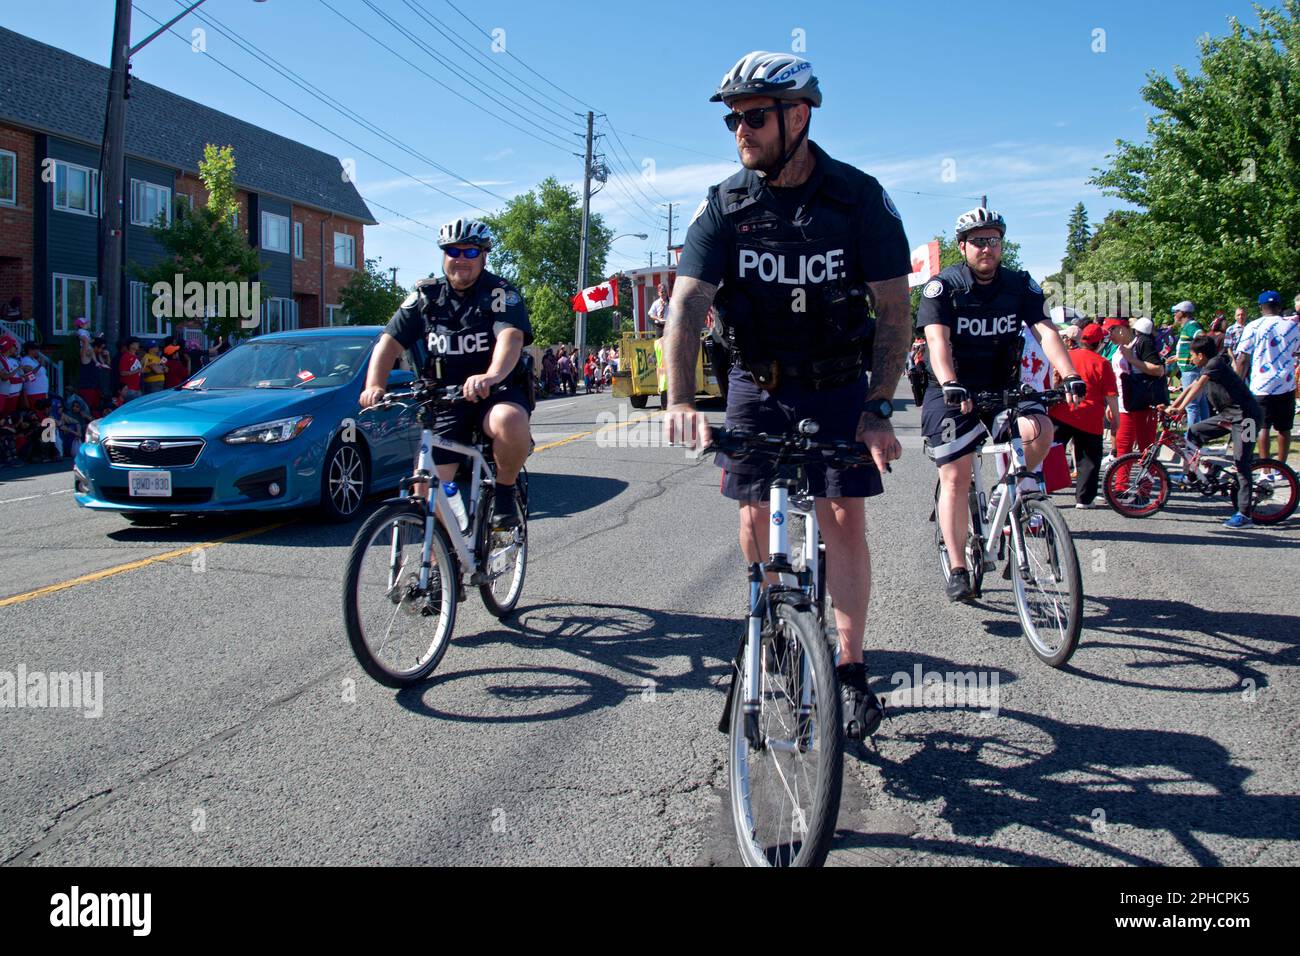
{"type": "Point", "coordinates": [1080, 506]}
{"type": "Point", "coordinates": [1107, 462]}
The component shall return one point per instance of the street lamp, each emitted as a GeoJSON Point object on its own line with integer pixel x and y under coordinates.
{"type": "Point", "coordinates": [112, 167]}
{"type": "Point", "coordinates": [634, 235]}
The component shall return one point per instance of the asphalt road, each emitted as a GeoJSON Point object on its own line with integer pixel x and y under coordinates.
{"type": "Point", "coordinates": [236, 727]}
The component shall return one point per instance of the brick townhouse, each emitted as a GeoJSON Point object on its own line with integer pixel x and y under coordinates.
{"type": "Point", "coordinates": [297, 208]}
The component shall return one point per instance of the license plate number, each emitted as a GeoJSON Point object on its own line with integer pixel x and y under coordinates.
{"type": "Point", "coordinates": [150, 484]}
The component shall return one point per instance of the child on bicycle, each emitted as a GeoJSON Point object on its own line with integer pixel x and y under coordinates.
{"type": "Point", "coordinates": [1234, 411]}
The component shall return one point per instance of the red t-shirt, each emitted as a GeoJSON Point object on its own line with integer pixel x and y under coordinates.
{"type": "Point", "coordinates": [176, 370]}
{"type": "Point", "coordinates": [129, 368]}
{"type": "Point", "coordinates": [1097, 374]}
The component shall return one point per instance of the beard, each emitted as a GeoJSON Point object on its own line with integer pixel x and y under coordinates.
{"type": "Point", "coordinates": [763, 158]}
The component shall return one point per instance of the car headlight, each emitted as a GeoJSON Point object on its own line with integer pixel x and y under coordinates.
{"type": "Point", "coordinates": [92, 433]}
{"type": "Point", "coordinates": [269, 433]}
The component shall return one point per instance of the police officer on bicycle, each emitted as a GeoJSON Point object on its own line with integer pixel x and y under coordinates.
{"type": "Point", "coordinates": [468, 328]}
{"type": "Point", "coordinates": [972, 314]}
{"type": "Point", "coordinates": [792, 252]}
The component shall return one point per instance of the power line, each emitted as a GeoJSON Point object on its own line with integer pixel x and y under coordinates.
{"type": "Point", "coordinates": [362, 30]}
{"type": "Point", "coordinates": [448, 64]}
{"type": "Point", "coordinates": [316, 123]}
{"type": "Point", "coordinates": [628, 154]}
{"type": "Point", "coordinates": [457, 41]}
{"type": "Point", "coordinates": [307, 86]}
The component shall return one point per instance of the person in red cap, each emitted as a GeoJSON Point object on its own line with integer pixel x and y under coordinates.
{"type": "Point", "coordinates": [1085, 423]}
{"type": "Point", "coordinates": [11, 379]}
{"type": "Point", "coordinates": [1138, 369]}
{"type": "Point", "coordinates": [178, 365]}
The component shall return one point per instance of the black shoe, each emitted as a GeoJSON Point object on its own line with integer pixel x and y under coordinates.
{"type": "Point", "coordinates": [505, 512]}
{"type": "Point", "coordinates": [861, 710]}
{"type": "Point", "coordinates": [959, 588]}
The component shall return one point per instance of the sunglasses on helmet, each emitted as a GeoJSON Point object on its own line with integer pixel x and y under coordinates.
{"type": "Point", "coordinates": [473, 252]}
{"type": "Point", "coordinates": [754, 118]}
{"type": "Point", "coordinates": [985, 242]}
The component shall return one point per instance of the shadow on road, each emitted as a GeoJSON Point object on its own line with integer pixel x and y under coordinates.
{"type": "Point", "coordinates": [558, 496]}
{"type": "Point", "coordinates": [630, 641]}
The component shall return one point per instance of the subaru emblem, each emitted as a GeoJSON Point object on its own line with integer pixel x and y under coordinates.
{"type": "Point", "coordinates": [150, 446]}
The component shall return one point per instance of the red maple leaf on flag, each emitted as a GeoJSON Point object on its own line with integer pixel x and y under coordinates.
{"type": "Point", "coordinates": [598, 294]}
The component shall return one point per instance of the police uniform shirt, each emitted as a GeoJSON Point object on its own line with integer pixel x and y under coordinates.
{"type": "Point", "coordinates": [984, 322]}
{"type": "Point", "coordinates": [806, 222]}
{"type": "Point", "coordinates": [461, 330]}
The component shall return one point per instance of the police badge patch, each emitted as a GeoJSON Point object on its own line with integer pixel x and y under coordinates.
{"type": "Point", "coordinates": [512, 297]}
{"type": "Point", "coordinates": [1034, 287]}
{"type": "Point", "coordinates": [699, 211]}
{"type": "Point", "coordinates": [933, 289]}
{"type": "Point", "coordinates": [889, 205]}
{"type": "Point", "coordinates": [411, 299]}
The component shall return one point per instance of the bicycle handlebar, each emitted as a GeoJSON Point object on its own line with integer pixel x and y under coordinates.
{"type": "Point", "coordinates": [422, 392]}
{"type": "Point", "coordinates": [1010, 398]}
{"type": "Point", "coordinates": [791, 447]}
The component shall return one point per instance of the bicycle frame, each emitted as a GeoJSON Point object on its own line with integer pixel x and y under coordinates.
{"type": "Point", "coordinates": [1011, 457]}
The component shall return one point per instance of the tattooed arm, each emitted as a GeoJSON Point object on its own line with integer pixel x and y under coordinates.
{"type": "Point", "coordinates": [686, 314]}
{"type": "Point", "coordinates": [889, 356]}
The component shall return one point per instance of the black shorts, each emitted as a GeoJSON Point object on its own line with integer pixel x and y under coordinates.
{"type": "Point", "coordinates": [463, 421]}
{"type": "Point", "coordinates": [952, 435]}
{"type": "Point", "coordinates": [1279, 411]}
{"type": "Point", "coordinates": [836, 410]}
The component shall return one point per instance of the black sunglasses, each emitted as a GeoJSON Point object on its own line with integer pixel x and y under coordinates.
{"type": "Point", "coordinates": [985, 242]}
{"type": "Point", "coordinates": [754, 118]}
{"type": "Point", "coordinates": [473, 252]}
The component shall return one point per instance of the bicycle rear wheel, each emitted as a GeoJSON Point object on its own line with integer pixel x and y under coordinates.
{"type": "Point", "coordinates": [397, 630]}
{"type": "Point", "coordinates": [504, 553]}
{"type": "Point", "coordinates": [785, 793]}
{"type": "Point", "coordinates": [974, 547]}
{"type": "Point", "coordinates": [1276, 491]}
{"type": "Point", "coordinates": [1048, 587]}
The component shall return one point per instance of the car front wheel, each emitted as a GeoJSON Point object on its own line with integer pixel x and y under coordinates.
{"type": "Point", "coordinates": [344, 481]}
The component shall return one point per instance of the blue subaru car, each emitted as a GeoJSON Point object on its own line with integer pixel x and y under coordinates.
{"type": "Point", "coordinates": [274, 423]}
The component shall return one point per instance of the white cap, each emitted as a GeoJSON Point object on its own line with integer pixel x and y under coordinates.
{"type": "Point", "coordinates": [1144, 326]}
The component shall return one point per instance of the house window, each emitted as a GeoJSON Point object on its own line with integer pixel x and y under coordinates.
{"type": "Point", "coordinates": [334, 315]}
{"type": "Point", "coordinates": [76, 188]}
{"type": "Point", "coordinates": [183, 204]}
{"type": "Point", "coordinates": [8, 178]}
{"type": "Point", "coordinates": [143, 321]}
{"type": "Point", "coordinates": [234, 219]}
{"type": "Point", "coordinates": [74, 298]}
{"type": "Point", "coordinates": [279, 315]}
{"type": "Point", "coordinates": [148, 202]}
{"type": "Point", "coordinates": [297, 240]}
{"type": "Point", "coordinates": [275, 232]}
{"type": "Point", "coordinates": [345, 251]}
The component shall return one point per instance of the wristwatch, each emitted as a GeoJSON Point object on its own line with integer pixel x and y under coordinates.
{"type": "Point", "coordinates": [880, 407]}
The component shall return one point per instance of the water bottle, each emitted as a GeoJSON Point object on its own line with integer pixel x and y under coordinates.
{"type": "Point", "coordinates": [452, 491]}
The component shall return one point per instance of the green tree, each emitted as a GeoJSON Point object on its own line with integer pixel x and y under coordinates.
{"type": "Point", "coordinates": [203, 246]}
{"type": "Point", "coordinates": [371, 296]}
{"type": "Point", "coordinates": [950, 255]}
{"type": "Point", "coordinates": [1215, 184]}
{"type": "Point", "coordinates": [537, 240]}
{"type": "Point", "coordinates": [1077, 238]}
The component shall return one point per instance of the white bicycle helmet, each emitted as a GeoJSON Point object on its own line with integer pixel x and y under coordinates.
{"type": "Point", "coordinates": [465, 232]}
{"type": "Point", "coordinates": [781, 76]}
{"type": "Point", "coordinates": [980, 218]}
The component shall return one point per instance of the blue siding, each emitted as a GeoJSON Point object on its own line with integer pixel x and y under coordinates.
{"type": "Point", "coordinates": [277, 271]}
{"type": "Point", "coordinates": [142, 246]}
{"type": "Point", "coordinates": [71, 241]}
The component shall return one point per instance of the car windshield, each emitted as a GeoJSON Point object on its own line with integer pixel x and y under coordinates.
{"type": "Point", "coordinates": [302, 363]}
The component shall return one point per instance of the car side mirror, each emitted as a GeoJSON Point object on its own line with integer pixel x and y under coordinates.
{"type": "Point", "coordinates": [400, 378]}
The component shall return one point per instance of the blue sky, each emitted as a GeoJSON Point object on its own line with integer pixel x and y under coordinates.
{"type": "Point", "coordinates": [941, 101]}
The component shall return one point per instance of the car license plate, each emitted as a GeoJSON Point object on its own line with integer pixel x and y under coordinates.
{"type": "Point", "coordinates": [150, 484]}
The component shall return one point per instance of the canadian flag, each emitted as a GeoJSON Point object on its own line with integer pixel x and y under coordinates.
{"type": "Point", "coordinates": [925, 263]}
{"type": "Point", "coordinates": [601, 296]}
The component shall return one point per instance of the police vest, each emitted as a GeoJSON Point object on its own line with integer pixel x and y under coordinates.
{"type": "Point", "coordinates": [793, 290]}
{"type": "Point", "coordinates": [986, 335]}
{"type": "Point", "coordinates": [458, 343]}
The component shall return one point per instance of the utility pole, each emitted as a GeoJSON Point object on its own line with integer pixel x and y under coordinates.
{"type": "Point", "coordinates": [393, 270]}
{"type": "Point", "coordinates": [580, 318]}
{"type": "Point", "coordinates": [669, 257]}
{"type": "Point", "coordinates": [984, 201]}
{"type": "Point", "coordinates": [111, 171]}
{"type": "Point", "coordinates": [652, 260]}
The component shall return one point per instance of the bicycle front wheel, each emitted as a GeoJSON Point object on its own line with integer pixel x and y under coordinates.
{"type": "Point", "coordinates": [785, 784]}
{"type": "Point", "coordinates": [1134, 490]}
{"type": "Point", "coordinates": [398, 629]}
{"type": "Point", "coordinates": [1047, 582]}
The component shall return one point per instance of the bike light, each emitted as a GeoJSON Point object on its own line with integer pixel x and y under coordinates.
{"type": "Point", "coordinates": [269, 433]}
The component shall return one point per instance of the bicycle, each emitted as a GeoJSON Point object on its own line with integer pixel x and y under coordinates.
{"type": "Point", "coordinates": [406, 571]}
{"type": "Point", "coordinates": [1138, 483]}
{"type": "Point", "coordinates": [1041, 563]}
{"type": "Point", "coordinates": [782, 714]}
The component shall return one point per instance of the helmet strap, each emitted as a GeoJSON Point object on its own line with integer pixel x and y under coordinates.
{"type": "Point", "coordinates": [776, 170]}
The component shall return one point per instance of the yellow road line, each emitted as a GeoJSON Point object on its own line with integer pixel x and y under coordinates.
{"type": "Point", "coordinates": [167, 556]}
{"type": "Point", "coordinates": [132, 565]}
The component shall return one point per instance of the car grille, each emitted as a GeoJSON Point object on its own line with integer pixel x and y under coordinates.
{"type": "Point", "coordinates": [121, 494]}
{"type": "Point", "coordinates": [154, 452]}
